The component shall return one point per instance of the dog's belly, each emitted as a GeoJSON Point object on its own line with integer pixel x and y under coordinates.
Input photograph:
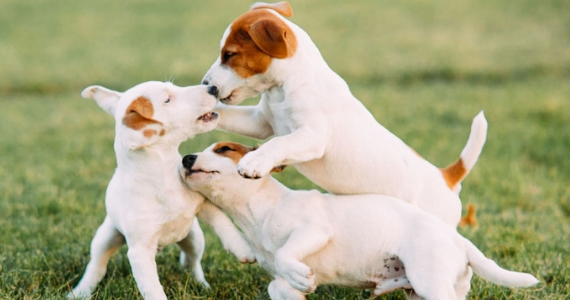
{"type": "Point", "coordinates": [342, 174]}
{"type": "Point", "coordinates": [385, 272]}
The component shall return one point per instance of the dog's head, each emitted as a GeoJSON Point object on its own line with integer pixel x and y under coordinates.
{"type": "Point", "coordinates": [214, 171]}
{"type": "Point", "coordinates": [156, 111]}
{"type": "Point", "coordinates": [249, 46]}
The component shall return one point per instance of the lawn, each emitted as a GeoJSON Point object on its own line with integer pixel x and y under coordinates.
{"type": "Point", "coordinates": [424, 69]}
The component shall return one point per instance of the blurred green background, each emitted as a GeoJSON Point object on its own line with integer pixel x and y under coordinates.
{"type": "Point", "coordinates": [424, 69]}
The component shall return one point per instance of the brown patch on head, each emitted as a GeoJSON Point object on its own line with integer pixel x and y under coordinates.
{"type": "Point", "coordinates": [139, 114]}
{"type": "Point", "coordinates": [283, 7]}
{"type": "Point", "coordinates": [256, 38]}
{"type": "Point", "coordinates": [233, 151]}
{"type": "Point", "coordinates": [454, 173]}
{"type": "Point", "coordinates": [469, 219]}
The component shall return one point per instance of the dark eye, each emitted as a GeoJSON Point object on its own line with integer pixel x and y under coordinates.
{"type": "Point", "coordinates": [167, 100]}
{"type": "Point", "coordinates": [223, 149]}
{"type": "Point", "coordinates": [227, 55]}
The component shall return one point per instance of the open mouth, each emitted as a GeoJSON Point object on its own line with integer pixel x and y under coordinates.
{"type": "Point", "coordinates": [207, 117]}
{"type": "Point", "coordinates": [197, 171]}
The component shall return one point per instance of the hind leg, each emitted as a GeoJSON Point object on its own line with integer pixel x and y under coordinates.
{"type": "Point", "coordinates": [192, 250]}
{"type": "Point", "coordinates": [463, 284]}
{"type": "Point", "coordinates": [279, 289]}
{"type": "Point", "coordinates": [432, 286]}
{"type": "Point", "coordinates": [106, 241]}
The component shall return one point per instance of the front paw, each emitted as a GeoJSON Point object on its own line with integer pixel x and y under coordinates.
{"type": "Point", "coordinates": [244, 253]}
{"type": "Point", "coordinates": [297, 274]}
{"type": "Point", "coordinates": [239, 247]}
{"type": "Point", "coordinates": [246, 258]}
{"type": "Point", "coordinates": [255, 166]}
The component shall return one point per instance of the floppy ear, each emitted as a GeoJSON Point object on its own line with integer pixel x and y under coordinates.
{"type": "Point", "coordinates": [105, 98]}
{"type": "Point", "coordinates": [273, 37]}
{"type": "Point", "coordinates": [141, 129]}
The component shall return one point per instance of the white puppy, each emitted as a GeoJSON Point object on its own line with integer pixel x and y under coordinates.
{"type": "Point", "coordinates": [148, 206]}
{"type": "Point", "coordinates": [369, 241]}
{"type": "Point", "coordinates": [318, 125]}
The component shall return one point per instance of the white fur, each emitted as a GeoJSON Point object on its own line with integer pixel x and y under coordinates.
{"type": "Point", "coordinates": [305, 238]}
{"type": "Point", "coordinates": [148, 207]}
{"type": "Point", "coordinates": [320, 128]}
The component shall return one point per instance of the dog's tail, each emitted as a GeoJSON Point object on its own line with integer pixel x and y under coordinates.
{"type": "Point", "coordinates": [455, 172]}
{"type": "Point", "coordinates": [489, 270]}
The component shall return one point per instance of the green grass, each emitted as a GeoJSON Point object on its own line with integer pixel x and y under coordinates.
{"type": "Point", "coordinates": [424, 69]}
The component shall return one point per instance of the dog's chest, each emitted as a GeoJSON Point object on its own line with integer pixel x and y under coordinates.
{"type": "Point", "coordinates": [177, 211]}
{"type": "Point", "coordinates": [280, 113]}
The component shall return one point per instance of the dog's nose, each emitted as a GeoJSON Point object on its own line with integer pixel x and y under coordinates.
{"type": "Point", "coordinates": [213, 90]}
{"type": "Point", "coordinates": [189, 160]}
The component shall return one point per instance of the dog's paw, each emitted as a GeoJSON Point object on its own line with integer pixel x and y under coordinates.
{"type": "Point", "coordinates": [244, 255]}
{"type": "Point", "coordinates": [247, 259]}
{"type": "Point", "coordinates": [298, 275]}
{"type": "Point", "coordinates": [78, 294]}
{"type": "Point", "coordinates": [255, 166]}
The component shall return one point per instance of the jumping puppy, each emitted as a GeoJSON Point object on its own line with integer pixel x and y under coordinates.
{"type": "Point", "coordinates": [317, 125]}
{"type": "Point", "coordinates": [148, 206]}
{"type": "Point", "coordinates": [304, 237]}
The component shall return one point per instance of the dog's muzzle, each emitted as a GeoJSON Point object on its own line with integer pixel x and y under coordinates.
{"type": "Point", "coordinates": [189, 160]}
{"type": "Point", "coordinates": [213, 90]}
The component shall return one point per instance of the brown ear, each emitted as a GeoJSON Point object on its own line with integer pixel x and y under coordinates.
{"type": "Point", "coordinates": [278, 169]}
{"type": "Point", "coordinates": [283, 7]}
{"type": "Point", "coordinates": [139, 114]}
{"type": "Point", "coordinates": [273, 37]}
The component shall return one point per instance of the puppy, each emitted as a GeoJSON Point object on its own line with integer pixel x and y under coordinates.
{"type": "Point", "coordinates": [148, 206]}
{"type": "Point", "coordinates": [317, 125]}
{"type": "Point", "coordinates": [368, 241]}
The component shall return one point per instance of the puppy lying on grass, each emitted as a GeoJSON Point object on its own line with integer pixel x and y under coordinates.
{"type": "Point", "coordinates": [305, 238]}
{"type": "Point", "coordinates": [148, 206]}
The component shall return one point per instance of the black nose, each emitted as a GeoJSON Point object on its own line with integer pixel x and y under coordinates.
{"type": "Point", "coordinates": [189, 160]}
{"type": "Point", "coordinates": [213, 90]}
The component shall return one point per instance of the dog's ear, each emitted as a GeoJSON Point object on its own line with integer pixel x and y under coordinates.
{"type": "Point", "coordinates": [283, 7]}
{"type": "Point", "coordinates": [273, 37]}
{"type": "Point", "coordinates": [105, 98]}
{"type": "Point", "coordinates": [141, 129]}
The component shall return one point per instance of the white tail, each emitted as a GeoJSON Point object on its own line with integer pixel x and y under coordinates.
{"type": "Point", "coordinates": [475, 143]}
{"type": "Point", "coordinates": [489, 270]}
{"type": "Point", "coordinates": [454, 173]}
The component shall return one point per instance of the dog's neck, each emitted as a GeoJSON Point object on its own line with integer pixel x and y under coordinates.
{"type": "Point", "coordinates": [149, 161]}
{"type": "Point", "coordinates": [303, 73]}
{"type": "Point", "coordinates": [252, 203]}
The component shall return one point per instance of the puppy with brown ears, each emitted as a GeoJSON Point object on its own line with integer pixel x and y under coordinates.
{"type": "Point", "coordinates": [316, 124]}
{"type": "Point", "coordinates": [305, 238]}
{"type": "Point", "coordinates": [148, 206]}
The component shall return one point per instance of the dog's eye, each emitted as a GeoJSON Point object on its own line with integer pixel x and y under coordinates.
{"type": "Point", "coordinates": [223, 149]}
{"type": "Point", "coordinates": [167, 100]}
{"type": "Point", "coordinates": [227, 55]}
